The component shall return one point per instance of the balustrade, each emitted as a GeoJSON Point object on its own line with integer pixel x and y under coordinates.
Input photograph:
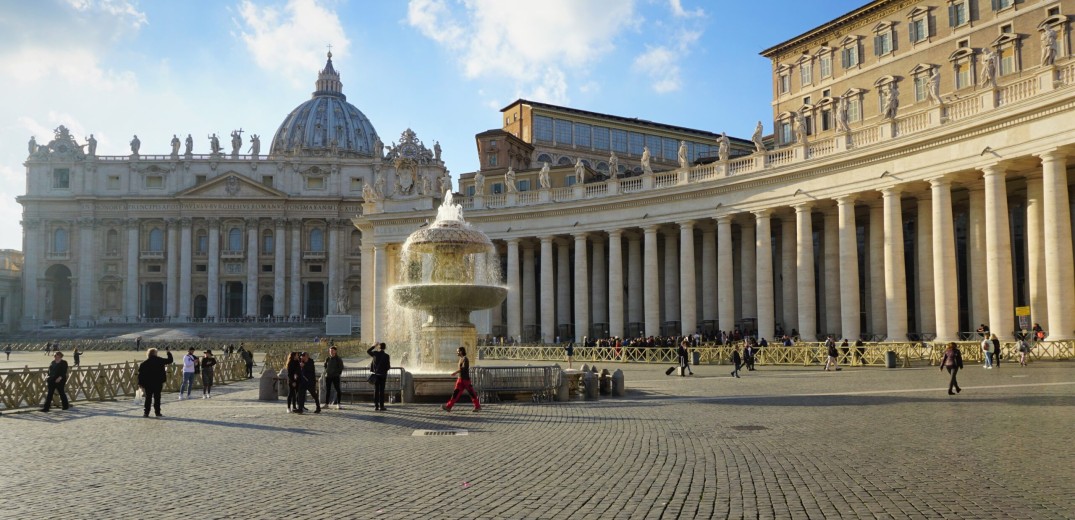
{"type": "Point", "coordinates": [964, 108]}
{"type": "Point", "coordinates": [1018, 91]}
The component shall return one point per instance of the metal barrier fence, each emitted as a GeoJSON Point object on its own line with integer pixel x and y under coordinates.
{"type": "Point", "coordinates": [346, 348]}
{"type": "Point", "coordinates": [25, 387]}
{"type": "Point", "coordinates": [541, 382]}
{"type": "Point", "coordinates": [355, 381]}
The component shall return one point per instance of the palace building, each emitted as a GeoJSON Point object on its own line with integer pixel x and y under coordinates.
{"type": "Point", "coordinates": [915, 187]}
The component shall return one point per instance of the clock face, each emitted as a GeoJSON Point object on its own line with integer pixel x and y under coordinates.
{"type": "Point", "coordinates": [409, 152]}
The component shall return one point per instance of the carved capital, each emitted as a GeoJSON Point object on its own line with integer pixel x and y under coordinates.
{"type": "Point", "coordinates": [87, 222]}
{"type": "Point", "coordinates": [279, 222]}
{"type": "Point", "coordinates": [185, 221]}
{"type": "Point", "coordinates": [251, 222]}
{"type": "Point", "coordinates": [214, 222]}
{"type": "Point", "coordinates": [31, 224]}
{"type": "Point", "coordinates": [132, 223]}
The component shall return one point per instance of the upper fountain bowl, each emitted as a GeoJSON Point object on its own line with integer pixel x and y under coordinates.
{"type": "Point", "coordinates": [448, 236]}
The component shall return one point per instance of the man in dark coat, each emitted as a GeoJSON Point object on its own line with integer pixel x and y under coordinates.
{"type": "Point", "coordinates": [248, 358]}
{"type": "Point", "coordinates": [57, 378]}
{"type": "Point", "coordinates": [333, 371]}
{"type": "Point", "coordinates": [307, 382]}
{"type": "Point", "coordinates": [151, 377]}
{"type": "Point", "coordinates": [379, 369]}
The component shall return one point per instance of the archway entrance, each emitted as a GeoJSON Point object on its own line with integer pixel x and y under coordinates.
{"type": "Point", "coordinates": [58, 295]}
{"type": "Point", "coordinates": [201, 307]}
{"type": "Point", "coordinates": [315, 300]}
{"type": "Point", "coordinates": [265, 307]}
{"type": "Point", "coordinates": [154, 300]}
{"type": "Point", "coordinates": [233, 299]}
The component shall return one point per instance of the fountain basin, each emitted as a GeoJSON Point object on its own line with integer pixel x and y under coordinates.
{"type": "Point", "coordinates": [432, 297]}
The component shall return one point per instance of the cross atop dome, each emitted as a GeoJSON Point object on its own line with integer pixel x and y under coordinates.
{"type": "Point", "coordinates": [328, 81]}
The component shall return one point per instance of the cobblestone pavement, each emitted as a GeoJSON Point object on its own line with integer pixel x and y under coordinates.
{"type": "Point", "coordinates": [777, 443]}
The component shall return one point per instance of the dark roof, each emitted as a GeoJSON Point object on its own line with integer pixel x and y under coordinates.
{"type": "Point", "coordinates": [629, 120]}
{"type": "Point", "coordinates": [847, 18]}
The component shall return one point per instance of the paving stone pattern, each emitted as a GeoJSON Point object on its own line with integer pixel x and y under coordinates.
{"type": "Point", "coordinates": [777, 443]}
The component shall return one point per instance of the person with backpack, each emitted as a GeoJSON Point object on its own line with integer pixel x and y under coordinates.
{"type": "Point", "coordinates": [1024, 349]}
{"type": "Point", "coordinates": [952, 361]}
{"type": "Point", "coordinates": [987, 353]}
{"type": "Point", "coordinates": [190, 368]}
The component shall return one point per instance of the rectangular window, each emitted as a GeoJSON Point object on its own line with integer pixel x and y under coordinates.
{"type": "Point", "coordinates": [670, 149]}
{"type": "Point", "coordinates": [921, 83]}
{"type": "Point", "coordinates": [963, 79]}
{"type": "Point", "coordinates": [619, 140]}
{"type": "Point", "coordinates": [600, 138]}
{"type": "Point", "coordinates": [356, 184]}
{"type": "Point", "coordinates": [266, 268]}
{"type": "Point", "coordinates": [582, 135]}
{"type": "Point", "coordinates": [918, 30]}
{"type": "Point", "coordinates": [315, 183]}
{"type": "Point", "coordinates": [543, 129]}
{"type": "Point", "coordinates": [203, 244]}
{"type": "Point", "coordinates": [826, 65]}
{"type": "Point", "coordinates": [882, 43]}
{"type": "Point", "coordinates": [1000, 4]}
{"type": "Point", "coordinates": [470, 191]}
{"type": "Point", "coordinates": [635, 143]}
{"type": "Point", "coordinates": [199, 179]}
{"type": "Point", "coordinates": [1007, 61]}
{"type": "Point", "coordinates": [524, 185]}
{"type": "Point", "coordinates": [153, 268]}
{"type": "Point", "coordinates": [826, 120]}
{"type": "Point", "coordinates": [113, 182]}
{"type": "Point", "coordinates": [785, 84]}
{"type": "Point", "coordinates": [498, 188]}
{"type": "Point", "coordinates": [569, 180]}
{"type": "Point", "coordinates": [563, 131]}
{"type": "Point", "coordinates": [201, 268]}
{"type": "Point", "coordinates": [849, 56]}
{"type": "Point", "coordinates": [854, 109]}
{"type": "Point", "coordinates": [155, 181]}
{"type": "Point", "coordinates": [267, 180]}
{"type": "Point", "coordinates": [315, 268]}
{"type": "Point", "coordinates": [806, 73]}
{"type": "Point", "coordinates": [491, 159]}
{"type": "Point", "coordinates": [61, 179]}
{"type": "Point", "coordinates": [957, 13]}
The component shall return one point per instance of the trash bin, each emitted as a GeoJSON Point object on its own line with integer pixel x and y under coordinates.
{"type": "Point", "coordinates": [890, 359]}
{"type": "Point", "coordinates": [696, 358]}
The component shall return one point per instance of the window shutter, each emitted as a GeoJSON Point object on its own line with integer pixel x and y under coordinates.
{"type": "Point", "coordinates": [877, 45]}
{"type": "Point", "coordinates": [951, 15]}
{"type": "Point", "coordinates": [895, 40]}
{"type": "Point", "coordinates": [972, 10]}
{"type": "Point", "coordinates": [994, 4]}
{"type": "Point", "coordinates": [912, 31]}
{"type": "Point", "coordinates": [844, 58]}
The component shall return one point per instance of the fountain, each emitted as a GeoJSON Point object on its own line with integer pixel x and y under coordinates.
{"type": "Point", "coordinates": [442, 276]}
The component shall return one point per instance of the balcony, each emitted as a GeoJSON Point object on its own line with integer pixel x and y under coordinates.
{"type": "Point", "coordinates": [229, 254]}
{"type": "Point", "coordinates": [53, 255]}
{"type": "Point", "coordinates": [313, 255]}
{"type": "Point", "coordinates": [151, 255]}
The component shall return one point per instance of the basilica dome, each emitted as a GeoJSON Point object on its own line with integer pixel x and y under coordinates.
{"type": "Point", "coordinates": [326, 125]}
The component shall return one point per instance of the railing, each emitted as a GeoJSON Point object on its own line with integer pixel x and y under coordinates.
{"type": "Point", "coordinates": [912, 123]}
{"type": "Point", "coordinates": [665, 179]}
{"type": "Point", "coordinates": [964, 108]}
{"type": "Point", "coordinates": [865, 136]}
{"type": "Point", "coordinates": [561, 194]}
{"type": "Point", "coordinates": [540, 382]}
{"type": "Point", "coordinates": [528, 197]}
{"type": "Point", "coordinates": [630, 185]}
{"type": "Point", "coordinates": [313, 255]}
{"type": "Point", "coordinates": [702, 173]}
{"type": "Point", "coordinates": [232, 253]}
{"type": "Point", "coordinates": [1017, 91]}
{"type": "Point", "coordinates": [738, 166]}
{"type": "Point", "coordinates": [1066, 75]}
{"type": "Point", "coordinates": [52, 255]}
{"type": "Point", "coordinates": [821, 148]}
{"type": "Point", "coordinates": [596, 190]}
{"type": "Point", "coordinates": [495, 201]}
{"type": "Point", "coordinates": [778, 157]}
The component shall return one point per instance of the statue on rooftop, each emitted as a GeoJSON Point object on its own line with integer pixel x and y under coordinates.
{"type": "Point", "coordinates": [543, 177]}
{"type": "Point", "coordinates": [759, 146]}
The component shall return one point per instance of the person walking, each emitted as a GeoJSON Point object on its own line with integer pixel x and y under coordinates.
{"type": "Point", "coordinates": [379, 370]}
{"type": "Point", "coordinates": [952, 361]}
{"type": "Point", "coordinates": [462, 383]}
{"type": "Point", "coordinates": [248, 358]}
{"type": "Point", "coordinates": [737, 361]}
{"type": "Point", "coordinates": [569, 349]}
{"type": "Point", "coordinates": [684, 357]}
{"type": "Point", "coordinates": [1024, 349]}
{"type": "Point", "coordinates": [333, 371]}
{"type": "Point", "coordinates": [987, 353]}
{"type": "Point", "coordinates": [151, 377]}
{"type": "Point", "coordinates": [190, 368]}
{"type": "Point", "coordinates": [996, 350]}
{"type": "Point", "coordinates": [57, 378]}
{"type": "Point", "coordinates": [290, 374]}
{"type": "Point", "coordinates": [748, 356]}
{"type": "Point", "coordinates": [307, 382]}
{"type": "Point", "coordinates": [77, 354]}
{"type": "Point", "coordinates": [7, 352]}
{"type": "Point", "coordinates": [207, 364]}
{"type": "Point", "coordinates": [830, 347]}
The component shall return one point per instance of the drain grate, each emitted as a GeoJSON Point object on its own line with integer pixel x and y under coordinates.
{"type": "Point", "coordinates": [433, 433]}
{"type": "Point", "coordinates": [749, 428]}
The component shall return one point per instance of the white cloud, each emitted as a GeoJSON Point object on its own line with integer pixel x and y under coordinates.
{"type": "Point", "coordinates": [123, 11]}
{"type": "Point", "coordinates": [290, 41]}
{"type": "Point", "coordinates": [538, 50]}
{"type": "Point", "coordinates": [661, 65]}
{"type": "Point", "coordinates": [679, 12]}
{"type": "Point", "coordinates": [79, 68]}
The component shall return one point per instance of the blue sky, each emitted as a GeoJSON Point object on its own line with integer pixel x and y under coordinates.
{"type": "Point", "coordinates": [443, 68]}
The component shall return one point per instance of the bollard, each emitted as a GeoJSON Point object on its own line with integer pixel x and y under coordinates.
{"type": "Point", "coordinates": [589, 381]}
{"type": "Point", "coordinates": [563, 392]}
{"type": "Point", "coordinates": [605, 385]}
{"type": "Point", "coordinates": [267, 387]}
{"type": "Point", "coordinates": [617, 383]}
{"type": "Point", "coordinates": [406, 383]}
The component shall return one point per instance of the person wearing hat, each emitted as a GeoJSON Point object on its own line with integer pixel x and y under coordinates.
{"type": "Point", "coordinates": [190, 367]}
{"type": "Point", "coordinates": [208, 362]}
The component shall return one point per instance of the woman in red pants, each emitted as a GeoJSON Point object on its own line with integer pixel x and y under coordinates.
{"type": "Point", "coordinates": [462, 383]}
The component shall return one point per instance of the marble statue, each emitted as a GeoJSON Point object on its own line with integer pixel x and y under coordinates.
{"type": "Point", "coordinates": [214, 144]}
{"type": "Point", "coordinates": [723, 147]}
{"type": "Point", "coordinates": [543, 177]}
{"type": "Point", "coordinates": [933, 86]}
{"type": "Point", "coordinates": [509, 181]}
{"type": "Point", "coordinates": [188, 145]}
{"type": "Point", "coordinates": [91, 145]}
{"type": "Point", "coordinates": [646, 168]}
{"type": "Point", "coordinates": [890, 101]}
{"type": "Point", "coordinates": [236, 141]}
{"type": "Point", "coordinates": [613, 165]}
{"type": "Point", "coordinates": [425, 187]}
{"type": "Point", "coordinates": [436, 150]}
{"type": "Point", "coordinates": [367, 193]}
{"type": "Point", "coordinates": [378, 185]}
{"type": "Point", "coordinates": [32, 146]}
{"type": "Point", "coordinates": [580, 171]}
{"type": "Point", "coordinates": [841, 115]}
{"type": "Point", "coordinates": [1048, 47]}
{"type": "Point", "coordinates": [989, 69]}
{"type": "Point", "coordinates": [800, 128]}
{"type": "Point", "coordinates": [683, 154]}
{"type": "Point", "coordinates": [136, 144]}
{"type": "Point", "coordinates": [175, 145]}
{"type": "Point", "coordinates": [255, 145]}
{"type": "Point", "coordinates": [343, 300]}
{"type": "Point", "coordinates": [378, 148]}
{"type": "Point", "coordinates": [759, 146]}
{"type": "Point", "coordinates": [445, 183]}
{"type": "Point", "coordinates": [479, 184]}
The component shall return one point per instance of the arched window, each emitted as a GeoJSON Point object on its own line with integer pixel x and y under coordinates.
{"type": "Point", "coordinates": [544, 158]}
{"type": "Point", "coordinates": [356, 243]}
{"type": "Point", "coordinates": [59, 240]}
{"type": "Point", "coordinates": [564, 161]}
{"type": "Point", "coordinates": [317, 239]}
{"type": "Point", "coordinates": [267, 243]}
{"type": "Point", "coordinates": [202, 242]}
{"type": "Point", "coordinates": [235, 239]}
{"type": "Point", "coordinates": [156, 240]}
{"type": "Point", "coordinates": [112, 242]}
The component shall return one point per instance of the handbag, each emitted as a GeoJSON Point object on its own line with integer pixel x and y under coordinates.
{"type": "Point", "coordinates": [372, 379]}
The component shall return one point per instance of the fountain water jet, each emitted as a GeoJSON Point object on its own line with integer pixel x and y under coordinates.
{"type": "Point", "coordinates": [440, 277]}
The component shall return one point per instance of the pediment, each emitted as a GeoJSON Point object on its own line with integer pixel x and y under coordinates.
{"type": "Point", "coordinates": [918, 11]}
{"type": "Point", "coordinates": [1005, 39]}
{"type": "Point", "coordinates": [231, 185]}
{"type": "Point", "coordinates": [962, 52]}
{"type": "Point", "coordinates": [922, 68]}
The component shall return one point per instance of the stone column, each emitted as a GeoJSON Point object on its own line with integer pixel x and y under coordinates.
{"type": "Point", "coordinates": [927, 321]}
{"type": "Point", "coordinates": [333, 264]}
{"type": "Point", "coordinates": [650, 284]}
{"type": "Point", "coordinates": [295, 291]}
{"type": "Point", "coordinates": [380, 289]}
{"type": "Point", "coordinates": [33, 247]}
{"type": "Point", "coordinates": [1060, 280]}
{"type": "Point", "coordinates": [946, 293]}
{"type": "Point", "coordinates": [725, 275]}
{"type": "Point", "coordinates": [563, 286]}
{"type": "Point", "coordinates": [999, 254]}
{"type": "Point", "coordinates": [87, 275]}
{"type": "Point", "coordinates": [670, 277]}
{"type": "Point", "coordinates": [635, 312]}
{"type": "Point", "coordinates": [1035, 240]}
{"type": "Point", "coordinates": [877, 312]}
{"type": "Point", "coordinates": [709, 274]}
{"type": "Point", "coordinates": [582, 289]}
{"type": "Point", "coordinates": [368, 290]}
{"type": "Point", "coordinates": [514, 317]}
{"type": "Point", "coordinates": [748, 276]}
{"type": "Point", "coordinates": [599, 284]}
{"type": "Point", "coordinates": [496, 314]}
{"type": "Point", "coordinates": [185, 252]}
{"type": "Point", "coordinates": [279, 267]}
{"type": "Point", "coordinates": [804, 253]}
{"type": "Point", "coordinates": [212, 296]}
{"type": "Point", "coordinates": [251, 266]}
{"type": "Point", "coordinates": [789, 288]}
{"type": "Point", "coordinates": [850, 324]}
{"type": "Point", "coordinates": [688, 300]}
{"type": "Point", "coordinates": [831, 265]}
{"type": "Point", "coordinates": [895, 277]}
{"type": "Point", "coordinates": [131, 306]}
{"type": "Point", "coordinates": [172, 268]}
{"type": "Point", "coordinates": [615, 283]}
{"type": "Point", "coordinates": [763, 243]}
{"type": "Point", "coordinates": [978, 289]}
{"type": "Point", "coordinates": [548, 292]}
{"type": "Point", "coordinates": [529, 280]}
{"type": "Point", "coordinates": [482, 319]}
